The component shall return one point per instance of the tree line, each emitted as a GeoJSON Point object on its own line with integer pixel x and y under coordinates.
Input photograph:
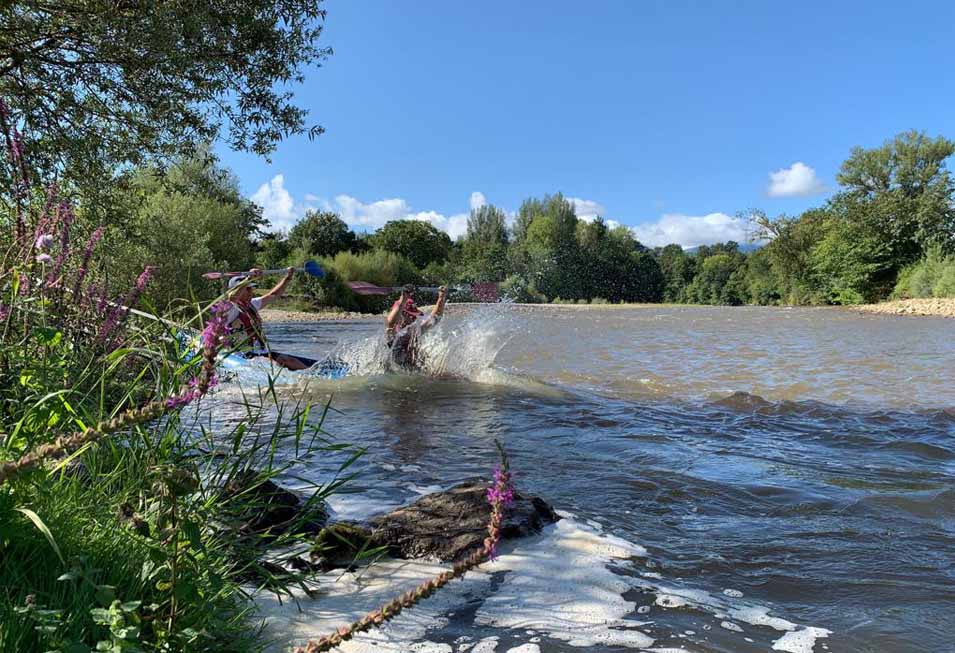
{"type": "Point", "coordinates": [889, 230]}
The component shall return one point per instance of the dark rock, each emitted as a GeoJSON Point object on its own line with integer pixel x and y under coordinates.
{"type": "Point", "coordinates": [264, 507]}
{"type": "Point", "coordinates": [450, 525]}
{"type": "Point", "coordinates": [339, 544]}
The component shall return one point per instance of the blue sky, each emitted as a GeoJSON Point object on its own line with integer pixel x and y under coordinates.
{"type": "Point", "coordinates": [668, 117]}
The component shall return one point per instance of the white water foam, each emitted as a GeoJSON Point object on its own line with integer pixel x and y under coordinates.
{"type": "Point", "coordinates": [559, 585]}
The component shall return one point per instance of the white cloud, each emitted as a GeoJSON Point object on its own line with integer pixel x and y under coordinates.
{"type": "Point", "coordinates": [277, 204]}
{"type": "Point", "coordinates": [477, 200]}
{"type": "Point", "coordinates": [455, 226]}
{"type": "Point", "coordinates": [587, 210]}
{"type": "Point", "coordinates": [692, 231]}
{"type": "Point", "coordinates": [371, 216]}
{"type": "Point", "coordinates": [282, 211]}
{"type": "Point", "coordinates": [796, 180]}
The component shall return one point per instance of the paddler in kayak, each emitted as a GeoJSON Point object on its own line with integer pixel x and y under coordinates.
{"type": "Point", "coordinates": [403, 328]}
{"type": "Point", "coordinates": [248, 336]}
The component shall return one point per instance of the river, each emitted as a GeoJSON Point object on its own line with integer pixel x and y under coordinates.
{"type": "Point", "coordinates": [731, 479]}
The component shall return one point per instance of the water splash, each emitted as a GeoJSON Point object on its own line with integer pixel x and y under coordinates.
{"type": "Point", "coordinates": [464, 346]}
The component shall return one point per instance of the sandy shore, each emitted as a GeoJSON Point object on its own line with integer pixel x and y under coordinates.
{"type": "Point", "coordinates": [934, 307]}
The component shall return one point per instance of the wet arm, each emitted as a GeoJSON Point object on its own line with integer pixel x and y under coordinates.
{"type": "Point", "coordinates": [392, 318]}
{"type": "Point", "coordinates": [279, 288]}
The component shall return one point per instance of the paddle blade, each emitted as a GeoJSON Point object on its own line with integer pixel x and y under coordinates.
{"type": "Point", "coordinates": [314, 269]}
{"type": "Point", "coordinates": [365, 288]}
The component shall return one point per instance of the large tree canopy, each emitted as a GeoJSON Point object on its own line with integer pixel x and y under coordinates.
{"type": "Point", "coordinates": [93, 84]}
{"type": "Point", "coordinates": [321, 233]}
{"type": "Point", "coordinates": [419, 242]}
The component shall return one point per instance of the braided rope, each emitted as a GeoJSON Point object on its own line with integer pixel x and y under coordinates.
{"type": "Point", "coordinates": [500, 495]}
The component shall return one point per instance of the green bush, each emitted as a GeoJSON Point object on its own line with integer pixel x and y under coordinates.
{"type": "Point", "coordinates": [933, 276]}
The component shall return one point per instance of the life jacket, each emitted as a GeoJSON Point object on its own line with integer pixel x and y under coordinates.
{"type": "Point", "coordinates": [251, 323]}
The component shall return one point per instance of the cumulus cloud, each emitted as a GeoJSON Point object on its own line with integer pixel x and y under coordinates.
{"type": "Point", "coordinates": [455, 225]}
{"type": "Point", "coordinates": [477, 200]}
{"type": "Point", "coordinates": [692, 231]}
{"type": "Point", "coordinates": [372, 215]}
{"type": "Point", "coordinates": [283, 211]}
{"type": "Point", "coordinates": [587, 210]}
{"type": "Point", "coordinates": [796, 180]}
{"type": "Point", "coordinates": [277, 204]}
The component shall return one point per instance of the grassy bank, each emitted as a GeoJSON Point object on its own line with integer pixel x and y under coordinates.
{"type": "Point", "coordinates": [129, 520]}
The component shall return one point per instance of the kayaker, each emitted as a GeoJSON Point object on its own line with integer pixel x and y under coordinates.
{"type": "Point", "coordinates": [403, 327]}
{"type": "Point", "coordinates": [248, 336]}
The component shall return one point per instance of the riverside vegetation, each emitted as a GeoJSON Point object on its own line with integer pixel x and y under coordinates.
{"type": "Point", "coordinates": [125, 523]}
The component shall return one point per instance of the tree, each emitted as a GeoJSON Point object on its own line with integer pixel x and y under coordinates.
{"type": "Point", "coordinates": [321, 233]}
{"type": "Point", "coordinates": [484, 252]}
{"type": "Point", "coordinates": [902, 194]}
{"type": "Point", "coordinates": [419, 242]}
{"type": "Point", "coordinates": [678, 269]}
{"type": "Point", "coordinates": [186, 220]}
{"type": "Point", "coordinates": [96, 84]}
{"type": "Point", "coordinates": [549, 249]}
{"type": "Point", "coordinates": [712, 284]}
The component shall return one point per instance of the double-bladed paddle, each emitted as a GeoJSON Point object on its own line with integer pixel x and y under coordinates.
{"type": "Point", "coordinates": [310, 267]}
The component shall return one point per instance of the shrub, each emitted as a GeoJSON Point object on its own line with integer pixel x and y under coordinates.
{"type": "Point", "coordinates": [933, 276]}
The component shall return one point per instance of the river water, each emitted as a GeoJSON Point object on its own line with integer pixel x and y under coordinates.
{"type": "Point", "coordinates": [731, 479]}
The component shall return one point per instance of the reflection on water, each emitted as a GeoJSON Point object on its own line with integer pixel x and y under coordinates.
{"type": "Point", "coordinates": [779, 466]}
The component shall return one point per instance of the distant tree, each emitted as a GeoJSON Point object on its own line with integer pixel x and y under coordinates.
{"type": "Point", "coordinates": [419, 242]}
{"type": "Point", "coordinates": [96, 84]}
{"type": "Point", "coordinates": [901, 194]}
{"type": "Point", "coordinates": [273, 251]}
{"type": "Point", "coordinates": [550, 248]}
{"type": "Point", "coordinates": [760, 280]}
{"type": "Point", "coordinates": [712, 284]}
{"type": "Point", "coordinates": [484, 251]}
{"type": "Point", "coordinates": [678, 269]}
{"type": "Point", "coordinates": [321, 233]}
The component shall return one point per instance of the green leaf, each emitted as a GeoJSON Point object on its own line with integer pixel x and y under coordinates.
{"type": "Point", "coordinates": [130, 606]}
{"type": "Point", "coordinates": [35, 518]}
{"type": "Point", "coordinates": [48, 336]}
{"type": "Point", "coordinates": [105, 594]}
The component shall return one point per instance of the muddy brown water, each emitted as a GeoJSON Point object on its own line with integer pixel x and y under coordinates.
{"type": "Point", "coordinates": [801, 458]}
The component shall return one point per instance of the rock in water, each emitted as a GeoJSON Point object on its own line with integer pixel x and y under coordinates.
{"type": "Point", "coordinates": [264, 507]}
{"type": "Point", "coordinates": [449, 525]}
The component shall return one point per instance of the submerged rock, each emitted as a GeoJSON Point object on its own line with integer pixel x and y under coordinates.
{"type": "Point", "coordinates": [451, 524]}
{"type": "Point", "coordinates": [265, 507]}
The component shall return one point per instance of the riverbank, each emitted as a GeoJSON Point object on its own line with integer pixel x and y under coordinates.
{"type": "Point", "coordinates": [937, 307]}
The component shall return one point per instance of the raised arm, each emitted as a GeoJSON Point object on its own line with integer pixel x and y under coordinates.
{"type": "Point", "coordinates": [438, 308]}
{"type": "Point", "coordinates": [392, 318]}
{"type": "Point", "coordinates": [279, 288]}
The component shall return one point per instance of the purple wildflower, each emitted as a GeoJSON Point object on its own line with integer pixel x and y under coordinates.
{"type": "Point", "coordinates": [87, 255]}
{"type": "Point", "coordinates": [44, 258]}
{"type": "Point", "coordinates": [43, 242]}
{"type": "Point", "coordinates": [120, 311]}
{"type": "Point", "coordinates": [500, 495]}
{"type": "Point", "coordinates": [65, 211]}
{"type": "Point", "coordinates": [4, 312]}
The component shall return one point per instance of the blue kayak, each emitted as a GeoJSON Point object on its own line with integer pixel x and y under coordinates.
{"type": "Point", "coordinates": [328, 368]}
